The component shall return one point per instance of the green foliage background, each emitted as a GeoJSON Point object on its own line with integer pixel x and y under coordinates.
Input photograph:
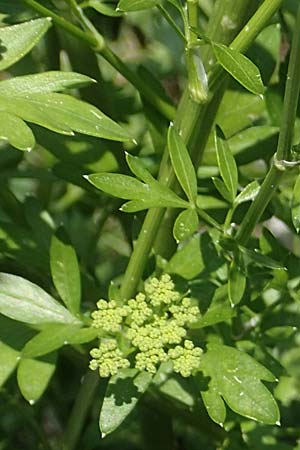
{"type": "Point", "coordinates": [76, 137]}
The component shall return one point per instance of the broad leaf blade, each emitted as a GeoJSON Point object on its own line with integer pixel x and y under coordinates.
{"type": "Point", "coordinates": [25, 301]}
{"type": "Point", "coordinates": [18, 40]}
{"type": "Point", "coordinates": [186, 224]}
{"type": "Point", "coordinates": [240, 68]}
{"type": "Point", "coordinates": [16, 132]}
{"type": "Point", "coordinates": [122, 394]}
{"type": "Point", "coordinates": [296, 205]}
{"type": "Point", "coordinates": [226, 163]}
{"type": "Point", "coordinates": [43, 83]}
{"type": "Point", "coordinates": [236, 377]}
{"type": "Point", "coordinates": [155, 202]}
{"type": "Point", "coordinates": [182, 164]}
{"type": "Point", "coordinates": [34, 375]}
{"type": "Point", "coordinates": [65, 270]}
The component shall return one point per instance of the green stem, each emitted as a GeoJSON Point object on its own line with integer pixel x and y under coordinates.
{"type": "Point", "coordinates": [192, 8]}
{"type": "Point", "coordinates": [171, 21]}
{"type": "Point", "coordinates": [80, 409]}
{"type": "Point", "coordinates": [291, 97]}
{"type": "Point", "coordinates": [98, 44]}
{"type": "Point", "coordinates": [228, 220]}
{"type": "Point", "coordinates": [283, 152]}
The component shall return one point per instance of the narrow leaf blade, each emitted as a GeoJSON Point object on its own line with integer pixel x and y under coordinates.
{"type": "Point", "coordinates": [16, 132]}
{"type": "Point", "coordinates": [226, 163]}
{"type": "Point", "coordinates": [65, 270]}
{"type": "Point", "coordinates": [248, 193]}
{"type": "Point", "coordinates": [43, 83]}
{"type": "Point", "coordinates": [296, 205]}
{"type": "Point", "coordinates": [182, 164]}
{"type": "Point", "coordinates": [18, 40]}
{"type": "Point", "coordinates": [136, 5]}
{"type": "Point", "coordinates": [63, 114]}
{"type": "Point", "coordinates": [236, 280]}
{"type": "Point", "coordinates": [119, 185]}
{"type": "Point", "coordinates": [239, 67]}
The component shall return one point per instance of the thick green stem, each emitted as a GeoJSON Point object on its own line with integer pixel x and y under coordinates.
{"type": "Point", "coordinates": [80, 409]}
{"type": "Point", "coordinates": [195, 121]}
{"type": "Point", "coordinates": [98, 44]}
{"type": "Point", "coordinates": [283, 152]}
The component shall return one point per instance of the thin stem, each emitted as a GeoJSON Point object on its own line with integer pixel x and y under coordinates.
{"type": "Point", "coordinates": [208, 219]}
{"type": "Point", "coordinates": [63, 23]}
{"type": "Point", "coordinates": [291, 97]}
{"type": "Point", "coordinates": [277, 169]}
{"type": "Point", "coordinates": [80, 409]}
{"type": "Point", "coordinates": [99, 45]}
{"type": "Point", "coordinates": [171, 21]}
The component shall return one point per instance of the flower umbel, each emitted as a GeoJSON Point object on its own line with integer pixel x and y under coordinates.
{"type": "Point", "coordinates": [148, 330]}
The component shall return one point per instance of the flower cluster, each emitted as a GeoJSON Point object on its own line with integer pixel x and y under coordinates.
{"type": "Point", "coordinates": [146, 331]}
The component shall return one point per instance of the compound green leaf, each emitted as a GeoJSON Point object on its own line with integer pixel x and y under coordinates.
{"type": "Point", "coordinates": [33, 376]}
{"type": "Point", "coordinates": [25, 301]}
{"type": "Point", "coordinates": [16, 132]}
{"type": "Point", "coordinates": [296, 205]}
{"type": "Point", "coordinates": [49, 339]}
{"type": "Point", "coordinates": [186, 224]}
{"type": "Point", "coordinates": [63, 114]}
{"type": "Point", "coordinates": [240, 68]}
{"type": "Point", "coordinates": [226, 163]}
{"type": "Point", "coordinates": [65, 270]}
{"type": "Point", "coordinates": [236, 377]}
{"type": "Point", "coordinates": [136, 5]}
{"type": "Point", "coordinates": [122, 394]}
{"type": "Point", "coordinates": [182, 164]}
{"type": "Point", "coordinates": [17, 40]}
{"type": "Point", "coordinates": [42, 83]}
